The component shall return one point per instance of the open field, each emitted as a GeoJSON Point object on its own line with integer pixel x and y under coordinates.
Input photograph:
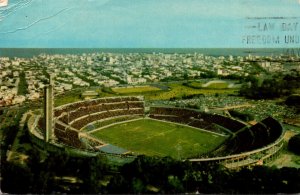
{"type": "Point", "coordinates": [66, 100]}
{"type": "Point", "coordinates": [179, 90]}
{"type": "Point", "coordinates": [287, 158]}
{"type": "Point", "coordinates": [151, 137]}
{"type": "Point", "coordinates": [176, 90]}
{"type": "Point", "coordinates": [68, 97]}
{"type": "Point", "coordinates": [216, 85]}
{"type": "Point", "coordinates": [195, 84]}
{"type": "Point", "coordinates": [209, 85]}
{"type": "Point", "coordinates": [135, 89]}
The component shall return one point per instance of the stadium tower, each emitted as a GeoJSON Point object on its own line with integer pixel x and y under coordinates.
{"type": "Point", "coordinates": [48, 109]}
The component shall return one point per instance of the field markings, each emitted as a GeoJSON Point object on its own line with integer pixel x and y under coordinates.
{"type": "Point", "coordinates": [200, 129]}
{"type": "Point", "coordinates": [158, 139]}
{"type": "Point", "coordinates": [104, 127]}
{"type": "Point", "coordinates": [161, 133]}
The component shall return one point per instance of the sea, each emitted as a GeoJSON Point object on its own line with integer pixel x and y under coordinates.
{"type": "Point", "coordinates": [31, 52]}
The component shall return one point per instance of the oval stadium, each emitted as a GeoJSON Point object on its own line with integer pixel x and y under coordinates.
{"type": "Point", "coordinates": [122, 127]}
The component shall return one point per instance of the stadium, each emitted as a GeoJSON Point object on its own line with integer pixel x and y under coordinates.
{"type": "Point", "coordinates": [120, 126]}
{"type": "Point", "coordinates": [123, 128]}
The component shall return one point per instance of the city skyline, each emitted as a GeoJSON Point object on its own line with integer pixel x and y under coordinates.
{"type": "Point", "coordinates": [148, 24]}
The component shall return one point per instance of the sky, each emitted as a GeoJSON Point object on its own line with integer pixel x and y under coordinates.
{"type": "Point", "coordinates": [149, 23]}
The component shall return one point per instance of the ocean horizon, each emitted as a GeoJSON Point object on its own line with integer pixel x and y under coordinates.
{"type": "Point", "coordinates": [31, 52]}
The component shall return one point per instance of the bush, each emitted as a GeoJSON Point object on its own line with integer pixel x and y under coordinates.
{"type": "Point", "coordinates": [293, 100]}
{"type": "Point", "coordinates": [241, 116]}
{"type": "Point", "coordinates": [294, 144]}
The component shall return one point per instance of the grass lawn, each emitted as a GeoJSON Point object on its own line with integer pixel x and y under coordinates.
{"type": "Point", "coordinates": [217, 85]}
{"type": "Point", "coordinates": [66, 100]}
{"type": "Point", "coordinates": [208, 85]}
{"type": "Point", "coordinates": [149, 92]}
{"type": "Point", "coordinates": [196, 84]}
{"type": "Point", "coordinates": [287, 158]}
{"type": "Point", "coordinates": [68, 97]}
{"type": "Point", "coordinates": [151, 137]}
{"type": "Point", "coordinates": [135, 89]}
{"type": "Point", "coordinates": [178, 90]}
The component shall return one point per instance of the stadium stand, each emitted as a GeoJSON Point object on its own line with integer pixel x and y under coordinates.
{"type": "Point", "coordinates": [71, 118]}
{"type": "Point", "coordinates": [196, 119]}
{"type": "Point", "coordinates": [244, 138]}
{"type": "Point", "coordinates": [68, 137]}
{"type": "Point", "coordinates": [274, 128]}
{"type": "Point", "coordinates": [73, 121]}
{"type": "Point", "coordinates": [257, 136]}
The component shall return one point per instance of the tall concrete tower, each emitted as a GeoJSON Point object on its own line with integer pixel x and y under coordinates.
{"type": "Point", "coordinates": [48, 109]}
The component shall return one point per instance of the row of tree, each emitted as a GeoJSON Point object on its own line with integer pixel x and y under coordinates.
{"type": "Point", "coordinates": [23, 86]}
{"type": "Point", "coordinates": [165, 175]}
{"type": "Point", "coordinates": [45, 173]}
{"type": "Point", "coordinates": [294, 144]}
{"type": "Point", "coordinates": [143, 175]}
{"type": "Point", "coordinates": [273, 87]}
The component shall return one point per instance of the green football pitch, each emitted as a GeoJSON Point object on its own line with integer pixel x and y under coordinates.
{"type": "Point", "coordinates": [152, 137]}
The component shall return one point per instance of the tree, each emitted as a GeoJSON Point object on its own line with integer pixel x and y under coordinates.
{"type": "Point", "coordinates": [293, 100]}
{"type": "Point", "coordinates": [93, 171]}
{"type": "Point", "coordinates": [294, 144]}
{"type": "Point", "coordinates": [22, 88]}
{"type": "Point", "coordinates": [15, 179]}
{"type": "Point", "coordinates": [185, 76]}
